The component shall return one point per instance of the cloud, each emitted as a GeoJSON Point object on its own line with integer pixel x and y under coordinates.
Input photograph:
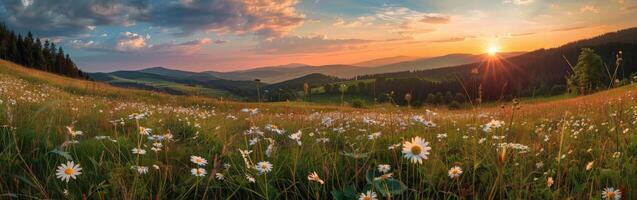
{"type": "Point", "coordinates": [630, 8]}
{"type": "Point", "coordinates": [131, 41]}
{"type": "Point", "coordinates": [452, 39]}
{"type": "Point", "coordinates": [68, 17]}
{"type": "Point", "coordinates": [267, 18]}
{"type": "Point", "coordinates": [569, 28]}
{"type": "Point", "coordinates": [307, 44]}
{"type": "Point", "coordinates": [139, 44]}
{"type": "Point", "coordinates": [435, 19]}
{"type": "Point", "coordinates": [362, 21]}
{"type": "Point", "coordinates": [220, 41]}
{"type": "Point", "coordinates": [518, 2]}
{"type": "Point", "coordinates": [589, 8]}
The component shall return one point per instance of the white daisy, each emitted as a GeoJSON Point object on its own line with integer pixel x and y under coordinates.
{"type": "Point", "coordinates": [141, 169]}
{"type": "Point", "coordinates": [198, 160]}
{"type": "Point", "coordinates": [369, 195]}
{"type": "Point", "coordinates": [455, 172]}
{"type": "Point", "coordinates": [611, 194]}
{"type": "Point", "coordinates": [263, 167]}
{"type": "Point", "coordinates": [68, 171]}
{"type": "Point", "coordinates": [199, 172]}
{"type": "Point", "coordinates": [384, 168]}
{"type": "Point", "coordinates": [139, 151]}
{"type": "Point", "coordinates": [250, 178]}
{"type": "Point", "coordinates": [220, 176]}
{"type": "Point", "coordinates": [315, 177]}
{"type": "Point", "coordinates": [416, 150]}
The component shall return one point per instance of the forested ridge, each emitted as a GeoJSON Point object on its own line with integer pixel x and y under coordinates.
{"type": "Point", "coordinates": [32, 52]}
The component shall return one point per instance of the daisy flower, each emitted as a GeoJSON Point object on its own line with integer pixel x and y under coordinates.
{"type": "Point", "coordinates": [416, 150]}
{"type": "Point", "coordinates": [263, 167]}
{"type": "Point", "coordinates": [611, 194]}
{"type": "Point", "coordinates": [198, 172]}
{"type": "Point", "coordinates": [589, 165]}
{"type": "Point", "coordinates": [455, 172]}
{"type": "Point", "coordinates": [142, 169]}
{"type": "Point", "coordinates": [549, 181]}
{"type": "Point", "coordinates": [68, 171]}
{"type": "Point", "coordinates": [72, 132]}
{"type": "Point", "coordinates": [220, 176]}
{"type": "Point", "coordinates": [250, 178]}
{"type": "Point", "coordinates": [315, 177]}
{"type": "Point", "coordinates": [139, 151]}
{"type": "Point", "coordinates": [384, 168]}
{"type": "Point", "coordinates": [198, 160]}
{"type": "Point", "coordinates": [369, 195]}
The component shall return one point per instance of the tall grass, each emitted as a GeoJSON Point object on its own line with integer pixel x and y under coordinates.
{"type": "Point", "coordinates": [505, 152]}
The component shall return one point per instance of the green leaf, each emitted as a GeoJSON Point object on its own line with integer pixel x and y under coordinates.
{"type": "Point", "coordinates": [338, 195]}
{"type": "Point", "coordinates": [390, 187]}
{"type": "Point", "coordinates": [62, 153]}
{"type": "Point", "coordinates": [350, 192]}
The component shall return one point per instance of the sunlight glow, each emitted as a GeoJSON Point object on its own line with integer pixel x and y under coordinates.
{"type": "Point", "coordinates": [492, 50]}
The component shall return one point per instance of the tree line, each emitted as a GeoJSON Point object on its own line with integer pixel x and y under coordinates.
{"type": "Point", "coordinates": [31, 52]}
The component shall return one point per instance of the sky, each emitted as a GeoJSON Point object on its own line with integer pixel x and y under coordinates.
{"type": "Point", "coordinates": [228, 35]}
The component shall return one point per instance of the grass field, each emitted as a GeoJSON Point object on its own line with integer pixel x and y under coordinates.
{"type": "Point", "coordinates": [133, 144]}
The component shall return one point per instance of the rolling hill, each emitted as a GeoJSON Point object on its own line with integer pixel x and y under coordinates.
{"type": "Point", "coordinates": [177, 82]}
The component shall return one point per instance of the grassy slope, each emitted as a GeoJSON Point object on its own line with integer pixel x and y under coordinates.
{"type": "Point", "coordinates": [46, 104]}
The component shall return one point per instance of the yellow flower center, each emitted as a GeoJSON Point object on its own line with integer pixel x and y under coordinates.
{"type": "Point", "coordinates": [367, 198]}
{"type": "Point", "coordinates": [610, 195]}
{"type": "Point", "coordinates": [416, 149]}
{"type": "Point", "coordinates": [69, 171]}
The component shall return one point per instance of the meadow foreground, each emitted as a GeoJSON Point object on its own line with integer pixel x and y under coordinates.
{"type": "Point", "coordinates": [65, 138]}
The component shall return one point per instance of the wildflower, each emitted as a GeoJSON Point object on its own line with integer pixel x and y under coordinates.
{"type": "Point", "coordinates": [589, 166]}
{"type": "Point", "coordinates": [369, 195]}
{"type": "Point", "coordinates": [297, 136]}
{"type": "Point", "coordinates": [315, 177]}
{"type": "Point", "coordinates": [198, 172]}
{"type": "Point", "coordinates": [142, 169]}
{"type": "Point", "coordinates": [416, 150]}
{"type": "Point", "coordinates": [374, 136]}
{"type": "Point", "coordinates": [617, 154]}
{"type": "Point", "coordinates": [72, 132]}
{"type": "Point", "coordinates": [198, 160]}
{"type": "Point", "coordinates": [139, 151]}
{"type": "Point", "coordinates": [263, 167]}
{"type": "Point", "coordinates": [250, 178]}
{"type": "Point", "coordinates": [68, 171]}
{"type": "Point", "coordinates": [384, 168]}
{"type": "Point", "coordinates": [611, 194]}
{"type": "Point", "coordinates": [144, 131]}
{"type": "Point", "coordinates": [455, 172]}
{"type": "Point", "coordinates": [539, 164]}
{"type": "Point", "coordinates": [549, 181]}
{"type": "Point", "coordinates": [220, 176]}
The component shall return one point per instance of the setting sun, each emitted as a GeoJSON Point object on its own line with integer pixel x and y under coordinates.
{"type": "Point", "coordinates": [492, 50]}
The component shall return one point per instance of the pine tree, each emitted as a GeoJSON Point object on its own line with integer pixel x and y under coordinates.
{"type": "Point", "coordinates": [30, 52]}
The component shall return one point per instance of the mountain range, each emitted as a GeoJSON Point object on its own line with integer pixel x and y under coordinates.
{"type": "Point", "coordinates": [520, 71]}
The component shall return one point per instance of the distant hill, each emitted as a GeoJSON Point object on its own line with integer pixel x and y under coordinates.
{"type": "Point", "coordinates": [297, 83]}
{"type": "Point", "coordinates": [384, 61]}
{"type": "Point", "coordinates": [435, 62]}
{"type": "Point", "coordinates": [178, 82]}
{"type": "Point", "coordinates": [275, 74]}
